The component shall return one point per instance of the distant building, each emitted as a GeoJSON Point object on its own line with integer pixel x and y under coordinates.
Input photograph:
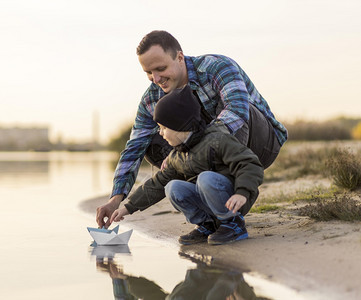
{"type": "Point", "coordinates": [17, 138]}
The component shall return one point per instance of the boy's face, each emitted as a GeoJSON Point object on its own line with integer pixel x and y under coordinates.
{"type": "Point", "coordinates": [174, 138]}
{"type": "Point", "coordinates": [163, 70]}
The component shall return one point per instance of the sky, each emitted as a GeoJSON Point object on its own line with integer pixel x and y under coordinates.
{"type": "Point", "coordinates": [62, 62]}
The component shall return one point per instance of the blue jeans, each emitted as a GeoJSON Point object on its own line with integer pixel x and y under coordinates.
{"type": "Point", "coordinates": [203, 201]}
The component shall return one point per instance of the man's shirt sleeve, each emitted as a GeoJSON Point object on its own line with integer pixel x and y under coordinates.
{"type": "Point", "coordinates": [143, 130]}
{"type": "Point", "coordinates": [220, 80]}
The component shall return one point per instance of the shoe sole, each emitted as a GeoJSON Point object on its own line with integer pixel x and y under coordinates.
{"type": "Point", "coordinates": [239, 238]}
{"type": "Point", "coordinates": [191, 243]}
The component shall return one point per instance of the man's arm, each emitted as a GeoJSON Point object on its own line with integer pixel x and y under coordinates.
{"type": "Point", "coordinates": [230, 83]}
{"type": "Point", "coordinates": [236, 91]}
{"type": "Point", "coordinates": [127, 169]}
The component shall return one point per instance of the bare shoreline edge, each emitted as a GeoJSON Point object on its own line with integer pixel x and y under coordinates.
{"type": "Point", "coordinates": [314, 258]}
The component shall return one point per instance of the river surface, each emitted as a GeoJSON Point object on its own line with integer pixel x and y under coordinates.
{"type": "Point", "coordinates": [46, 251]}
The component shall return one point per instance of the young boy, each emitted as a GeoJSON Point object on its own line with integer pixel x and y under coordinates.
{"type": "Point", "coordinates": [209, 176]}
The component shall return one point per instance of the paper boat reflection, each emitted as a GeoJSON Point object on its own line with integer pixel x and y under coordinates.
{"type": "Point", "coordinates": [109, 237]}
{"type": "Point", "coordinates": [109, 251]}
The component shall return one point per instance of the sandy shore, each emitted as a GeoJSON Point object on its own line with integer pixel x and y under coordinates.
{"type": "Point", "coordinates": [317, 258]}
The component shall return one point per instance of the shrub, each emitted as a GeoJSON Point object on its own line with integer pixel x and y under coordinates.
{"type": "Point", "coordinates": [345, 168]}
{"type": "Point", "coordinates": [118, 143]}
{"type": "Point", "coordinates": [356, 132]}
{"type": "Point", "coordinates": [341, 207]}
{"type": "Point", "coordinates": [318, 131]}
{"type": "Point", "coordinates": [295, 164]}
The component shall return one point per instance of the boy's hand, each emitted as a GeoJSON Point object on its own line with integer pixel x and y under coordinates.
{"type": "Point", "coordinates": [236, 202]}
{"type": "Point", "coordinates": [119, 214]}
{"type": "Point", "coordinates": [164, 164]}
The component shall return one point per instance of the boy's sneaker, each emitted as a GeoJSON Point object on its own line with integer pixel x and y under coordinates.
{"type": "Point", "coordinates": [199, 234]}
{"type": "Point", "coordinates": [230, 230]}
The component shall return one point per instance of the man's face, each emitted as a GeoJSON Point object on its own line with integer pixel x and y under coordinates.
{"type": "Point", "coordinates": [163, 70]}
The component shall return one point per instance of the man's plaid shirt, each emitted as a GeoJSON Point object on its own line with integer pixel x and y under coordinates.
{"type": "Point", "coordinates": [219, 82]}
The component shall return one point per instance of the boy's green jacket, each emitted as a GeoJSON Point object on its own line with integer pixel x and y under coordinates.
{"type": "Point", "coordinates": [217, 151]}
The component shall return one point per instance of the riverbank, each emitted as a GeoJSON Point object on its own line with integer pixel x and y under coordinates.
{"type": "Point", "coordinates": [314, 258]}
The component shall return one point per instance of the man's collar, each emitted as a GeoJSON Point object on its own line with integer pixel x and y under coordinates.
{"type": "Point", "coordinates": [192, 75]}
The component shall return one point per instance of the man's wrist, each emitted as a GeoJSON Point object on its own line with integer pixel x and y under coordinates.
{"type": "Point", "coordinates": [116, 200]}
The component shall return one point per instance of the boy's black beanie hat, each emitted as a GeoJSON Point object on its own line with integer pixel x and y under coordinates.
{"type": "Point", "coordinates": [179, 110]}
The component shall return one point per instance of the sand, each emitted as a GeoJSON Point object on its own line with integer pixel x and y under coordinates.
{"type": "Point", "coordinates": [315, 258]}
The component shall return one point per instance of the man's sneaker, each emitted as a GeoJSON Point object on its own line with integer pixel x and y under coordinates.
{"type": "Point", "coordinates": [198, 235]}
{"type": "Point", "coordinates": [230, 230]}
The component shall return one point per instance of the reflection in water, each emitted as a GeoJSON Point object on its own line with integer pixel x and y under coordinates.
{"type": "Point", "coordinates": [18, 167]}
{"type": "Point", "coordinates": [205, 282]}
{"type": "Point", "coordinates": [202, 282]}
{"type": "Point", "coordinates": [125, 286]}
{"type": "Point", "coordinates": [19, 170]}
{"type": "Point", "coordinates": [42, 168]}
{"type": "Point", "coordinates": [108, 251]}
{"type": "Point", "coordinates": [130, 287]}
{"type": "Point", "coordinates": [42, 190]}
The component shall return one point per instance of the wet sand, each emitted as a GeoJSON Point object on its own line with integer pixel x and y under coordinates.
{"type": "Point", "coordinates": [315, 258]}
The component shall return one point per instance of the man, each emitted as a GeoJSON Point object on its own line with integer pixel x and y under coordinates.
{"type": "Point", "coordinates": [225, 92]}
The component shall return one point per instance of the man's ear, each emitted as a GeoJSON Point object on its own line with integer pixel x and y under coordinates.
{"type": "Point", "coordinates": [180, 56]}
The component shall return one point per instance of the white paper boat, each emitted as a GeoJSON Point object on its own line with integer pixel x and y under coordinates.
{"type": "Point", "coordinates": [110, 237]}
{"type": "Point", "coordinates": [115, 229]}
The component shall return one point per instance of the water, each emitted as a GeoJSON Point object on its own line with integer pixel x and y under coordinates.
{"type": "Point", "coordinates": [45, 247]}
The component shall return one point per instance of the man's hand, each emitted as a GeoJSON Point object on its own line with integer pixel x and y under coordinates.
{"type": "Point", "coordinates": [106, 211]}
{"type": "Point", "coordinates": [119, 214]}
{"type": "Point", "coordinates": [236, 202]}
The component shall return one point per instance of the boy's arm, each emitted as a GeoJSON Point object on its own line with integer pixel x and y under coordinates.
{"type": "Point", "coordinates": [119, 214]}
{"type": "Point", "coordinates": [151, 192]}
{"type": "Point", "coordinates": [244, 166]}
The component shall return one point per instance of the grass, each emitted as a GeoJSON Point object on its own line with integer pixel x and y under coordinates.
{"type": "Point", "coordinates": [345, 169]}
{"type": "Point", "coordinates": [264, 208]}
{"type": "Point", "coordinates": [323, 204]}
{"type": "Point", "coordinates": [340, 207]}
{"type": "Point", "coordinates": [315, 193]}
{"type": "Point", "coordinates": [295, 164]}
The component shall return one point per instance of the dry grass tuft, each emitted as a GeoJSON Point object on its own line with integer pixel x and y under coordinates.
{"type": "Point", "coordinates": [345, 168]}
{"type": "Point", "coordinates": [341, 207]}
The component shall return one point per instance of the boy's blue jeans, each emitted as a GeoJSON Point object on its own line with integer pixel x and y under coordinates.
{"type": "Point", "coordinates": [198, 202]}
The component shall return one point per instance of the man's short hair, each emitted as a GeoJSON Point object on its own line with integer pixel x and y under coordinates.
{"type": "Point", "coordinates": [162, 38]}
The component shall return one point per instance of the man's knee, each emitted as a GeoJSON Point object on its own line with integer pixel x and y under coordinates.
{"type": "Point", "coordinates": [242, 134]}
{"type": "Point", "coordinates": [262, 138]}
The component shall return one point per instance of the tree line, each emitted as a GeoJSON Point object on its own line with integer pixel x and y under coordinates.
{"type": "Point", "coordinates": [341, 128]}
